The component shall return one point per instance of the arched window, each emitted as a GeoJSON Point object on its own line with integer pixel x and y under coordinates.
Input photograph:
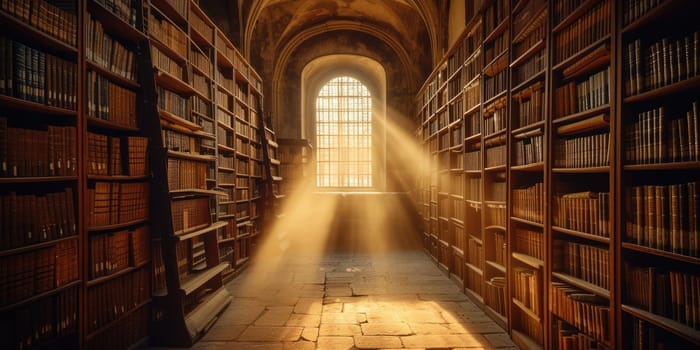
{"type": "Point", "coordinates": [344, 134]}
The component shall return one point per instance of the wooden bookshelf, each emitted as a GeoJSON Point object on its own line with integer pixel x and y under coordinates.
{"type": "Point", "coordinates": [599, 172]}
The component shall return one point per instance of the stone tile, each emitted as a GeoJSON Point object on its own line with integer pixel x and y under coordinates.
{"type": "Point", "coordinates": [335, 343]}
{"type": "Point", "coordinates": [333, 308]}
{"type": "Point", "coordinates": [431, 329]}
{"type": "Point", "coordinates": [342, 318]}
{"type": "Point", "coordinates": [240, 315]}
{"type": "Point", "coordinates": [385, 329]}
{"type": "Point", "coordinates": [499, 340]}
{"type": "Point", "coordinates": [310, 334]}
{"type": "Point", "coordinates": [339, 330]}
{"type": "Point", "coordinates": [443, 297]}
{"type": "Point", "coordinates": [376, 342]}
{"type": "Point", "coordinates": [339, 292]}
{"type": "Point", "coordinates": [223, 332]}
{"type": "Point", "coordinates": [443, 341]}
{"type": "Point", "coordinates": [251, 346]}
{"type": "Point", "coordinates": [422, 316]}
{"type": "Point", "coordinates": [309, 306]}
{"type": "Point", "coordinates": [271, 334]}
{"type": "Point", "coordinates": [300, 345]}
{"type": "Point", "coordinates": [304, 320]}
{"type": "Point", "coordinates": [274, 317]}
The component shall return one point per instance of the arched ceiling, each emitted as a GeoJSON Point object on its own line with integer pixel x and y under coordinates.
{"type": "Point", "coordinates": [411, 26]}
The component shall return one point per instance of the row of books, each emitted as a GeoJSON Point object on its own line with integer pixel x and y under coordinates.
{"type": "Point", "coordinates": [534, 33]}
{"type": "Point", "coordinates": [32, 218]}
{"type": "Point", "coordinates": [111, 203]}
{"type": "Point", "coordinates": [592, 26]}
{"type": "Point", "coordinates": [529, 68]}
{"type": "Point", "coordinates": [496, 120]}
{"type": "Point", "coordinates": [190, 213]}
{"type": "Point", "coordinates": [589, 263]}
{"type": "Point", "coordinates": [33, 272]}
{"type": "Point", "coordinates": [473, 67]}
{"type": "Point", "coordinates": [653, 65]}
{"type": "Point", "coordinates": [40, 322]}
{"type": "Point", "coordinates": [204, 109]}
{"type": "Point", "coordinates": [496, 190]}
{"type": "Point", "coordinates": [528, 242]}
{"type": "Point", "coordinates": [124, 333]}
{"type": "Point", "coordinates": [526, 288]}
{"type": "Point", "coordinates": [227, 178]}
{"type": "Point", "coordinates": [168, 34]}
{"type": "Point", "coordinates": [200, 26]}
{"type": "Point", "coordinates": [528, 202]}
{"type": "Point", "coordinates": [528, 150]}
{"type": "Point", "coordinates": [664, 217]}
{"type": "Point", "coordinates": [495, 215]}
{"type": "Point", "coordinates": [173, 103]}
{"type": "Point", "coordinates": [104, 50]}
{"type": "Point", "coordinates": [634, 9]}
{"type": "Point", "coordinates": [590, 93]}
{"type": "Point", "coordinates": [495, 85]}
{"type": "Point", "coordinates": [123, 9]}
{"type": "Point", "coordinates": [110, 102]}
{"type": "Point", "coordinates": [108, 301]}
{"type": "Point", "coordinates": [475, 253]}
{"type": "Point", "coordinates": [563, 8]}
{"type": "Point", "coordinates": [109, 253]}
{"type": "Point", "coordinates": [180, 6]}
{"type": "Point", "coordinates": [475, 281]}
{"type": "Point", "coordinates": [529, 105]}
{"type": "Point", "coordinates": [201, 84]}
{"type": "Point", "coordinates": [647, 336]}
{"type": "Point", "coordinates": [474, 188]}
{"type": "Point", "coordinates": [582, 151]}
{"type": "Point", "coordinates": [166, 64]}
{"type": "Point", "coordinates": [569, 338]}
{"type": "Point", "coordinates": [58, 19]}
{"type": "Point", "coordinates": [587, 312]}
{"type": "Point", "coordinates": [495, 156]}
{"type": "Point", "coordinates": [526, 14]}
{"type": "Point", "coordinates": [33, 75]}
{"type": "Point", "coordinates": [498, 241]}
{"type": "Point", "coordinates": [654, 137]}
{"type": "Point", "coordinates": [51, 151]}
{"type": "Point", "coordinates": [176, 141]}
{"type": "Point", "coordinates": [473, 126]}
{"type": "Point", "coordinates": [201, 61]}
{"type": "Point", "coordinates": [105, 155]}
{"type": "Point", "coordinates": [186, 174]}
{"type": "Point", "coordinates": [493, 51]}
{"type": "Point", "coordinates": [672, 294]}
{"type": "Point", "coordinates": [583, 211]}
{"type": "Point", "coordinates": [495, 294]}
{"type": "Point", "coordinates": [532, 327]}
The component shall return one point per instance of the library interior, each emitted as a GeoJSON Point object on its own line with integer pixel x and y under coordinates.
{"type": "Point", "coordinates": [349, 174]}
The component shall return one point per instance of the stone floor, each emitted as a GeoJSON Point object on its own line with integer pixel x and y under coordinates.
{"type": "Point", "coordinates": [398, 300]}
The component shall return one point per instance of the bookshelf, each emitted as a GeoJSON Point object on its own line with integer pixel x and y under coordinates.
{"type": "Point", "coordinates": [294, 157]}
{"type": "Point", "coordinates": [579, 171]}
{"type": "Point", "coordinates": [188, 290]}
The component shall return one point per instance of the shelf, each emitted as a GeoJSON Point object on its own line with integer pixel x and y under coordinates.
{"type": "Point", "coordinates": [581, 115]}
{"type": "Point", "coordinates": [201, 318]}
{"type": "Point", "coordinates": [472, 110]}
{"type": "Point", "coordinates": [118, 177]}
{"type": "Point", "coordinates": [526, 310]}
{"type": "Point", "coordinates": [177, 120]}
{"type": "Point", "coordinates": [681, 86]}
{"type": "Point", "coordinates": [112, 323]}
{"type": "Point", "coordinates": [496, 266]}
{"type": "Point", "coordinates": [537, 16]}
{"type": "Point", "coordinates": [475, 269]}
{"type": "Point", "coordinates": [495, 228]}
{"type": "Point", "coordinates": [579, 283]}
{"type": "Point", "coordinates": [191, 156]}
{"type": "Point", "coordinates": [112, 76]}
{"type": "Point", "coordinates": [38, 179]}
{"type": "Point", "coordinates": [529, 53]}
{"type": "Point", "coordinates": [471, 294]}
{"type": "Point", "coordinates": [168, 10]}
{"type": "Point", "coordinates": [692, 165]}
{"type": "Point", "coordinates": [658, 12]}
{"type": "Point", "coordinates": [168, 51]}
{"type": "Point", "coordinates": [186, 192]}
{"type": "Point", "coordinates": [528, 167]}
{"type": "Point", "coordinates": [525, 221]}
{"type": "Point", "coordinates": [498, 30]}
{"type": "Point", "coordinates": [690, 334]}
{"type": "Point", "coordinates": [102, 279]}
{"type": "Point", "coordinates": [31, 34]}
{"type": "Point", "coordinates": [106, 124]}
{"type": "Point", "coordinates": [500, 319]}
{"type": "Point", "coordinates": [210, 228]}
{"type": "Point", "coordinates": [43, 295]}
{"type": "Point", "coordinates": [661, 253]}
{"type": "Point", "coordinates": [36, 246]}
{"type": "Point", "coordinates": [589, 170]}
{"type": "Point", "coordinates": [529, 81]}
{"type": "Point", "coordinates": [579, 234]}
{"type": "Point", "coordinates": [578, 55]}
{"type": "Point", "coordinates": [529, 260]}
{"type": "Point", "coordinates": [172, 83]}
{"type": "Point", "coordinates": [495, 168]}
{"type": "Point", "coordinates": [117, 226]}
{"type": "Point", "coordinates": [193, 281]}
{"type": "Point", "coordinates": [525, 340]}
{"type": "Point", "coordinates": [574, 15]}
{"type": "Point", "coordinates": [28, 106]}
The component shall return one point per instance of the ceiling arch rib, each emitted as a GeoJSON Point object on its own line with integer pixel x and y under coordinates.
{"type": "Point", "coordinates": [426, 11]}
{"type": "Point", "coordinates": [285, 52]}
